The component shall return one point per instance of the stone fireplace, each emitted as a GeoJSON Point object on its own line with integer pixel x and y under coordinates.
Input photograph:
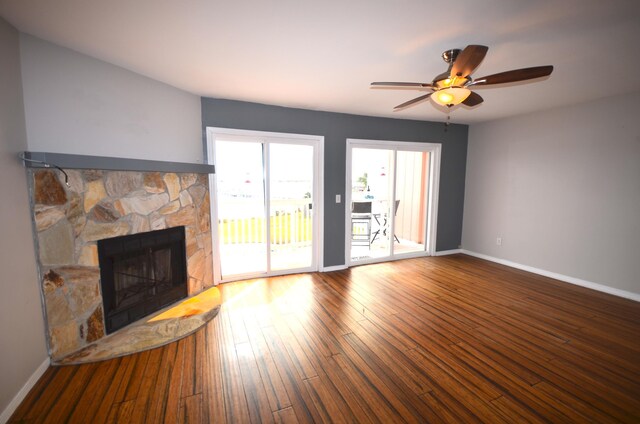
{"type": "Point", "coordinates": [70, 221]}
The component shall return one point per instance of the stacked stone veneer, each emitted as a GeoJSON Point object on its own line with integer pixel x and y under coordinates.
{"type": "Point", "coordinates": [101, 204]}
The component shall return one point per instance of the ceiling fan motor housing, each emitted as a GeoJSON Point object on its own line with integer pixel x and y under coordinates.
{"type": "Point", "coordinates": [449, 56]}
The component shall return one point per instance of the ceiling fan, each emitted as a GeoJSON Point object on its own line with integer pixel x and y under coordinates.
{"type": "Point", "coordinates": [453, 86]}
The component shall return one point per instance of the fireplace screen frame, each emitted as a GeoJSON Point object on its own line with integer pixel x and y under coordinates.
{"type": "Point", "coordinates": [149, 294]}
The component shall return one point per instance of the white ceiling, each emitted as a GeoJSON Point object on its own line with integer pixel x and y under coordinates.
{"type": "Point", "coordinates": [322, 54]}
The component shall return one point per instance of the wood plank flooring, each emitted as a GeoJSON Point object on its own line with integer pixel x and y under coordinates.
{"type": "Point", "coordinates": [447, 339]}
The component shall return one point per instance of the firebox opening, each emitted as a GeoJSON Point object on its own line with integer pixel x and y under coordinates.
{"type": "Point", "coordinates": [140, 274]}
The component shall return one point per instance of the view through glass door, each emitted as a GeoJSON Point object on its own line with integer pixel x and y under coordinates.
{"type": "Point", "coordinates": [392, 200]}
{"type": "Point", "coordinates": [265, 190]}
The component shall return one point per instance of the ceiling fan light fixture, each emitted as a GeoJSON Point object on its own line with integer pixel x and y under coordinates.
{"type": "Point", "coordinates": [451, 96]}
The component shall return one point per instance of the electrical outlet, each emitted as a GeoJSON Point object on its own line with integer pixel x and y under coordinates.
{"type": "Point", "coordinates": [338, 198]}
{"type": "Point", "coordinates": [499, 241]}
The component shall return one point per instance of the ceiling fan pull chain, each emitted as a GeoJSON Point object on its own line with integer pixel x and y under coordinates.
{"type": "Point", "coordinates": [447, 122]}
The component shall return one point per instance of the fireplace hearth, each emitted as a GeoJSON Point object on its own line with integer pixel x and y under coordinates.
{"type": "Point", "coordinates": [140, 274]}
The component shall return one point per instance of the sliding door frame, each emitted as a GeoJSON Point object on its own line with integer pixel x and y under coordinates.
{"type": "Point", "coordinates": [317, 142]}
{"type": "Point", "coordinates": [431, 206]}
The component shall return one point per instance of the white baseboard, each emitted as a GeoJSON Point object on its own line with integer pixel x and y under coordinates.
{"type": "Point", "coordinates": [19, 397]}
{"type": "Point", "coordinates": [555, 275]}
{"type": "Point", "coordinates": [448, 252]}
{"type": "Point", "coordinates": [333, 268]}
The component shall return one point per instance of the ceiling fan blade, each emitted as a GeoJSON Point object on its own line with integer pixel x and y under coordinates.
{"type": "Point", "coordinates": [473, 99]}
{"type": "Point", "coordinates": [468, 60]}
{"type": "Point", "coordinates": [400, 84]}
{"type": "Point", "coordinates": [515, 75]}
{"type": "Point", "coordinates": [412, 102]}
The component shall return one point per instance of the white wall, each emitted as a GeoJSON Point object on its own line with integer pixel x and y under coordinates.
{"type": "Point", "coordinates": [562, 189]}
{"type": "Point", "coordinates": [22, 342]}
{"type": "Point", "coordinates": [81, 105]}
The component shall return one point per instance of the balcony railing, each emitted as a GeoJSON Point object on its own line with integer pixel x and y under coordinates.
{"type": "Point", "coordinates": [291, 222]}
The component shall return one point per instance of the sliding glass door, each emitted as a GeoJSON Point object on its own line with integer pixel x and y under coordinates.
{"type": "Point", "coordinates": [392, 196]}
{"type": "Point", "coordinates": [291, 195]}
{"type": "Point", "coordinates": [264, 203]}
{"type": "Point", "coordinates": [411, 194]}
{"type": "Point", "coordinates": [371, 200]}
{"type": "Point", "coordinates": [240, 201]}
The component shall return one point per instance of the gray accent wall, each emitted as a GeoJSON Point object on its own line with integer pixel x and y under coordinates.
{"type": "Point", "coordinates": [562, 190]}
{"type": "Point", "coordinates": [22, 343]}
{"type": "Point", "coordinates": [336, 129]}
{"type": "Point", "coordinates": [79, 105]}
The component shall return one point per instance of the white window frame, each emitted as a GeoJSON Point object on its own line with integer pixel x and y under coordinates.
{"type": "Point", "coordinates": [318, 199]}
{"type": "Point", "coordinates": [435, 152]}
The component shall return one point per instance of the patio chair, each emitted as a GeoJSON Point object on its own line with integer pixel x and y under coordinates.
{"type": "Point", "coordinates": [361, 224]}
{"type": "Point", "coordinates": [384, 225]}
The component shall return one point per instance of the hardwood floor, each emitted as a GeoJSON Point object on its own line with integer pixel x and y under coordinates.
{"type": "Point", "coordinates": [446, 339]}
